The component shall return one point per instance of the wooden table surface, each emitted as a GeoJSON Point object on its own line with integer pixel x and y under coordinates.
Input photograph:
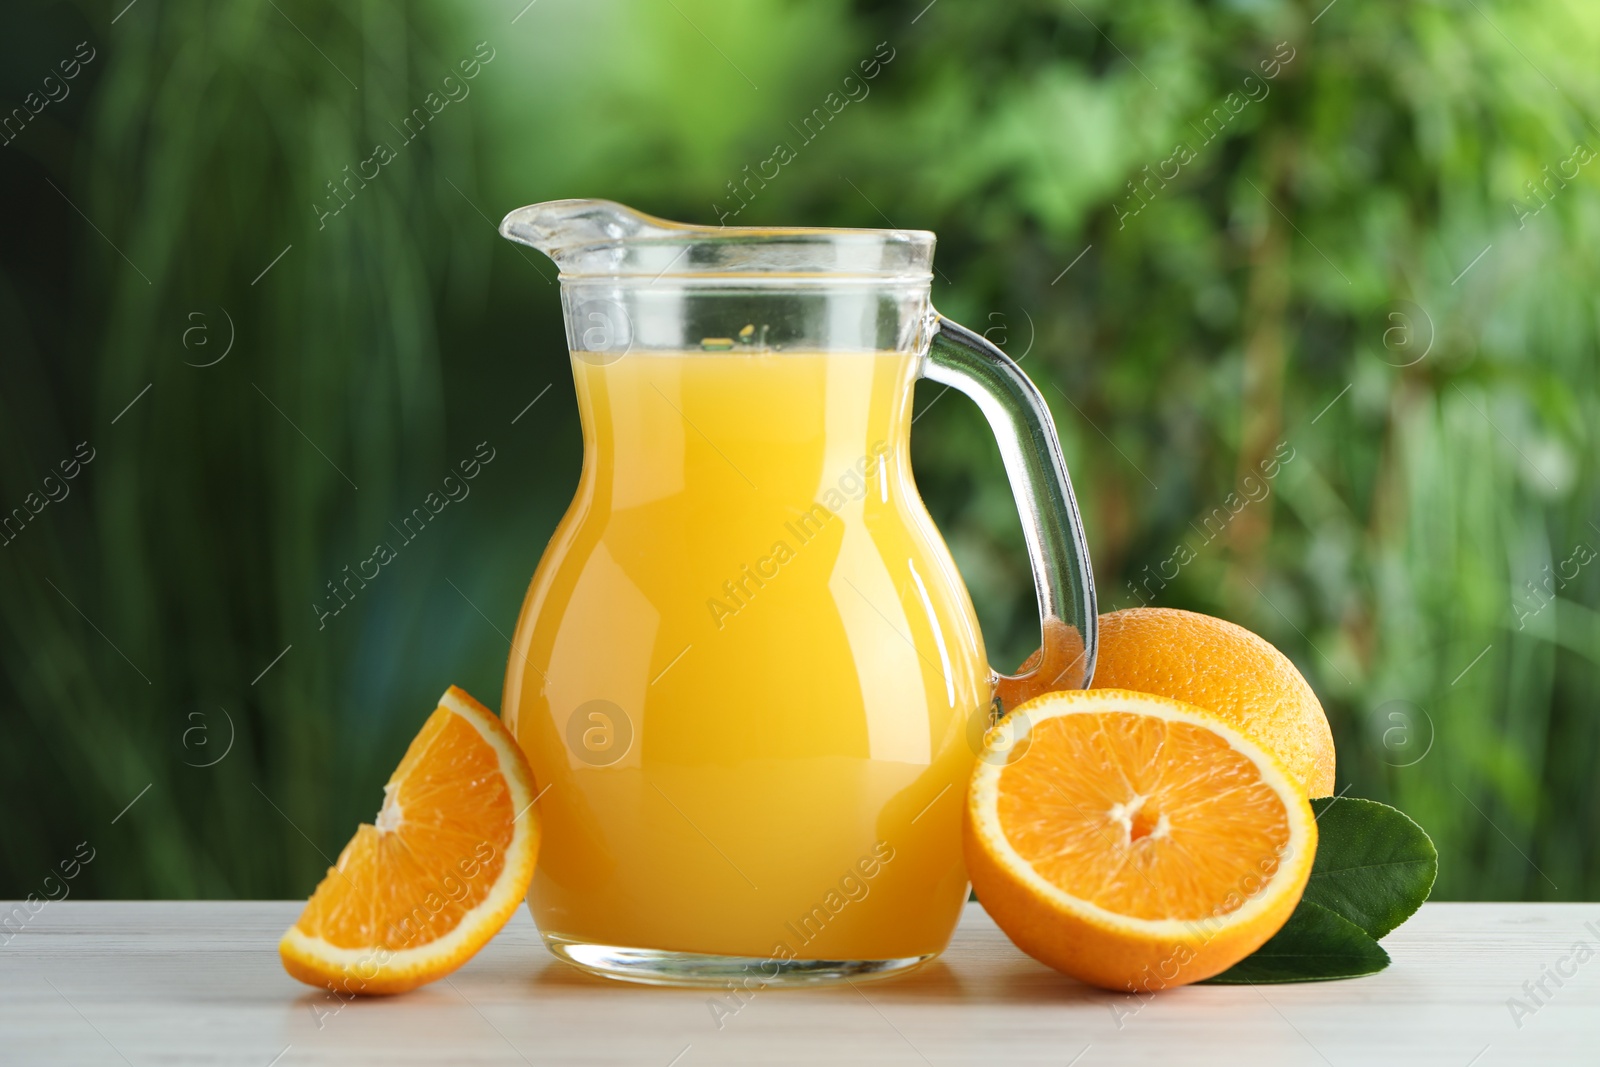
{"type": "Point", "coordinates": [199, 982]}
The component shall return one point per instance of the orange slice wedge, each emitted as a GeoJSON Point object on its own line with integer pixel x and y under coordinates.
{"type": "Point", "coordinates": [438, 872]}
{"type": "Point", "coordinates": [1133, 841]}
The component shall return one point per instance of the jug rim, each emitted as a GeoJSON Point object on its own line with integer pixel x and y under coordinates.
{"type": "Point", "coordinates": [590, 239]}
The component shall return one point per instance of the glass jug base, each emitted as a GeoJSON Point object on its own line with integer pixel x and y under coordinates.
{"type": "Point", "coordinates": [659, 967]}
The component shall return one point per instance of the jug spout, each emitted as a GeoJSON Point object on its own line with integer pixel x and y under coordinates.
{"type": "Point", "coordinates": [603, 239]}
{"type": "Point", "coordinates": [562, 228]}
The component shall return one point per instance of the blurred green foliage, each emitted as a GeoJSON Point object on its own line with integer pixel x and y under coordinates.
{"type": "Point", "coordinates": [1214, 233]}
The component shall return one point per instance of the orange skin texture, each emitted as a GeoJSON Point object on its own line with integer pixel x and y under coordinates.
{"type": "Point", "coordinates": [1223, 668]}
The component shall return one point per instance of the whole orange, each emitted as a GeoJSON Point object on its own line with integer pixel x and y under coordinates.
{"type": "Point", "coordinates": [1212, 664]}
{"type": "Point", "coordinates": [1226, 669]}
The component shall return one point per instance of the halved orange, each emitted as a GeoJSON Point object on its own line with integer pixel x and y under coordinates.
{"type": "Point", "coordinates": [1134, 841]}
{"type": "Point", "coordinates": [439, 871]}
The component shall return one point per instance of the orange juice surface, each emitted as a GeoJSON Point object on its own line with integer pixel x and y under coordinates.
{"type": "Point", "coordinates": [746, 673]}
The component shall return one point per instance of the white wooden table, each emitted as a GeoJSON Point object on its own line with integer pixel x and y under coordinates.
{"type": "Point", "coordinates": [199, 982]}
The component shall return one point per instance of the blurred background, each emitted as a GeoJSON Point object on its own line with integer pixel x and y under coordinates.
{"type": "Point", "coordinates": [1354, 238]}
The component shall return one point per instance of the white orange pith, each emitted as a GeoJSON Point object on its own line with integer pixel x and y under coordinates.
{"type": "Point", "coordinates": [447, 860]}
{"type": "Point", "coordinates": [1134, 841]}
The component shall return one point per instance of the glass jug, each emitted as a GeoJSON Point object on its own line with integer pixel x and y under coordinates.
{"type": "Point", "coordinates": [747, 674]}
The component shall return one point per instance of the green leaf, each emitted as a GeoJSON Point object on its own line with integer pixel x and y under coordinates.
{"type": "Point", "coordinates": [1315, 945]}
{"type": "Point", "coordinates": [1374, 868]}
{"type": "Point", "coordinates": [1374, 865]}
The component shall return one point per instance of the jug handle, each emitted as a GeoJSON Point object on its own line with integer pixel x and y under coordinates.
{"type": "Point", "coordinates": [1062, 576]}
